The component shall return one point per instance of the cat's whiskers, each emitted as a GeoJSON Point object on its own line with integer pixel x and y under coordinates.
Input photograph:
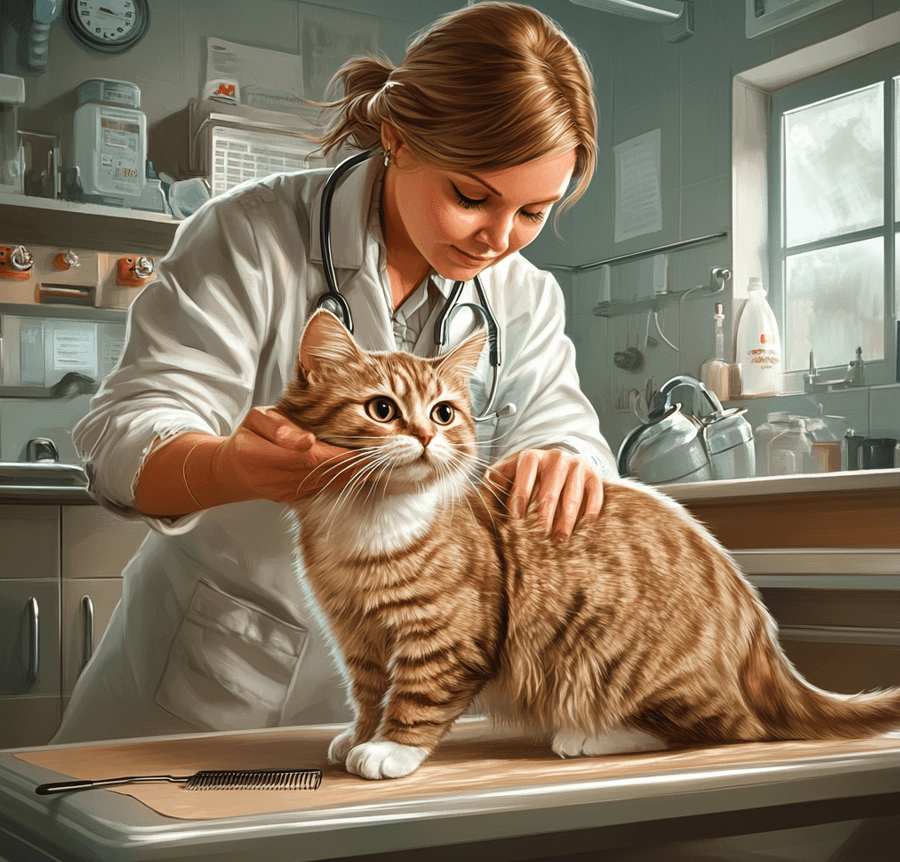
{"type": "Point", "coordinates": [344, 465]}
{"type": "Point", "coordinates": [352, 487]}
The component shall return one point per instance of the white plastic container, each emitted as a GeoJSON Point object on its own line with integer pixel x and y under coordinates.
{"type": "Point", "coordinates": [790, 450]}
{"type": "Point", "coordinates": [758, 346]}
{"type": "Point", "coordinates": [110, 145]}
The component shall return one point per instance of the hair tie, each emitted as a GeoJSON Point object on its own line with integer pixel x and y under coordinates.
{"type": "Point", "coordinates": [384, 87]}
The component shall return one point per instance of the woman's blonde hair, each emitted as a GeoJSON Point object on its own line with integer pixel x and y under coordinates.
{"type": "Point", "coordinates": [487, 87]}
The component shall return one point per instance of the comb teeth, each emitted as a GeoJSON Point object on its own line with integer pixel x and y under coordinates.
{"type": "Point", "coordinates": [256, 779]}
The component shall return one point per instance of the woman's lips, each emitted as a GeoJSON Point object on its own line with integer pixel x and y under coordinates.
{"type": "Point", "coordinates": [473, 258]}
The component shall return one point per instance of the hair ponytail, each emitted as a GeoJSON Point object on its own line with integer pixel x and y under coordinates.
{"type": "Point", "coordinates": [357, 115]}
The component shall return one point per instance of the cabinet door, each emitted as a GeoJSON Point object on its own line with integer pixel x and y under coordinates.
{"type": "Point", "coordinates": [29, 542]}
{"type": "Point", "coordinates": [96, 543]}
{"type": "Point", "coordinates": [29, 661]}
{"type": "Point", "coordinates": [87, 605]}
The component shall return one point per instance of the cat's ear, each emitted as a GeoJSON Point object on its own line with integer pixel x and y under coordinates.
{"type": "Point", "coordinates": [325, 340]}
{"type": "Point", "coordinates": [463, 360]}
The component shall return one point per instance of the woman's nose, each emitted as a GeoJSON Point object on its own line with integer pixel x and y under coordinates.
{"type": "Point", "coordinates": [496, 234]}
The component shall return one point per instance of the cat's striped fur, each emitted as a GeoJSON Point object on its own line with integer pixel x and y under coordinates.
{"type": "Point", "coordinates": [638, 632]}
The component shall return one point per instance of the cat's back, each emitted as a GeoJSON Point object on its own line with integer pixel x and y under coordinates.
{"type": "Point", "coordinates": [645, 552]}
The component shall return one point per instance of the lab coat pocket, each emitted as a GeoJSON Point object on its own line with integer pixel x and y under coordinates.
{"type": "Point", "coordinates": [231, 663]}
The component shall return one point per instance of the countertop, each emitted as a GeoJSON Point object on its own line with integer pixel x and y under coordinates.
{"type": "Point", "coordinates": [480, 796]}
{"type": "Point", "coordinates": [801, 483]}
{"type": "Point", "coordinates": [44, 491]}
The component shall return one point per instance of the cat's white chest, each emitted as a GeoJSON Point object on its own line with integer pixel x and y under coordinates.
{"type": "Point", "coordinates": [343, 529]}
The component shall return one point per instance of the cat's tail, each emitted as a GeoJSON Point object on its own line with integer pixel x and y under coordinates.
{"type": "Point", "coordinates": [789, 707]}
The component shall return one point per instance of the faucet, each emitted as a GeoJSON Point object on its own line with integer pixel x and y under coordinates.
{"type": "Point", "coordinates": [40, 450]}
{"type": "Point", "coordinates": [855, 376]}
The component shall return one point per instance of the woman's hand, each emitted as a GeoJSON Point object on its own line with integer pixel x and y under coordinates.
{"type": "Point", "coordinates": [268, 457]}
{"type": "Point", "coordinates": [564, 488]}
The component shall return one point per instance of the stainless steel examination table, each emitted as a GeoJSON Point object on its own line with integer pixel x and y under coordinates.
{"type": "Point", "coordinates": [478, 797]}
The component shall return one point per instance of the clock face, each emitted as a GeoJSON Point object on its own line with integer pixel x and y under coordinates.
{"type": "Point", "coordinates": [108, 25]}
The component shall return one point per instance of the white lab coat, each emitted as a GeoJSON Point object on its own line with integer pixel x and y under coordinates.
{"type": "Point", "coordinates": [213, 632]}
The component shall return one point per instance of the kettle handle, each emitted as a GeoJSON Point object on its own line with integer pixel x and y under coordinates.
{"type": "Point", "coordinates": [632, 438]}
{"type": "Point", "coordinates": [664, 396]}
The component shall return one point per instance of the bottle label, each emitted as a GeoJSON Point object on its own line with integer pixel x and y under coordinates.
{"type": "Point", "coordinates": [765, 357]}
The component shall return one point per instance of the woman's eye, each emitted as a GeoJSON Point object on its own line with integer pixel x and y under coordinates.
{"type": "Point", "coordinates": [468, 203]}
{"type": "Point", "coordinates": [537, 217]}
{"type": "Point", "coordinates": [382, 409]}
{"type": "Point", "coordinates": [443, 413]}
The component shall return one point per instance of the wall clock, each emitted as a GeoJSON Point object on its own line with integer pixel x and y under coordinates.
{"type": "Point", "coordinates": [108, 25]}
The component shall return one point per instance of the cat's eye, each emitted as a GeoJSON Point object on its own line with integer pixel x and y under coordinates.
{"type": "Point", "coordinates": [382, 409]}
{"type": "Point", "coordinates": [443, 413]}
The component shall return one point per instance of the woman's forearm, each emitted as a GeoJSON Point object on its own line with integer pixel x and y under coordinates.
{"type": "Point", "coordinates": [177, 478]}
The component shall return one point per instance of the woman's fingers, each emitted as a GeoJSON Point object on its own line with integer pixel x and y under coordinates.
{"type": "Point", "coordinates": [272, 425]}
{"type": "Point", "coordinates": [563, 488]}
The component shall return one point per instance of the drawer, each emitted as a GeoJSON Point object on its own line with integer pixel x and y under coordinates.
{"type": "Point", "coordinates": [29, 538]}
{"type": "Point", "coordinates": [96, 543]}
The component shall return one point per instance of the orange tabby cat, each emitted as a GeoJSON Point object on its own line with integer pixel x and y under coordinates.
{"type": "Point", "coordinates": [637, 633]}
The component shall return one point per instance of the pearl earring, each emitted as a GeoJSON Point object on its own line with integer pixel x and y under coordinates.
{"type": "Point", "coordinates": [388, 156]}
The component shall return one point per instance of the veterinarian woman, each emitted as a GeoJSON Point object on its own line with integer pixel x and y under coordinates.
{"type": "Point", "coordinates": [478, 135]}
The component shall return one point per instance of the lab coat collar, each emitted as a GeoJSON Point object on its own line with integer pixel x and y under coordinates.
{"type": "Point", "coordinates": [350, 209]}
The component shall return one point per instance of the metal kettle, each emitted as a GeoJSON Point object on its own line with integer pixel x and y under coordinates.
{"type": "Point", "coordinates": [675, 447]}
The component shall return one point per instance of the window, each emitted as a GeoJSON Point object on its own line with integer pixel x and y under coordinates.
{"type": "Point", "coordinates": [834, 229]}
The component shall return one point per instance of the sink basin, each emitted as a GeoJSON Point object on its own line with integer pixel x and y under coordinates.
{"type": "Point", "coordinates": [41, 474]}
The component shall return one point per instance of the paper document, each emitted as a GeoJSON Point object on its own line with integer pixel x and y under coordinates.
{"type": "Point", "coordinates": [638, 197]}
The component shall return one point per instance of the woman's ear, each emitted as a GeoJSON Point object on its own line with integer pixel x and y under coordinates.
{"type": "Point", "coordinates": [391, 139]}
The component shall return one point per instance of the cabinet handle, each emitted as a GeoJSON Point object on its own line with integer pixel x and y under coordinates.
{"type": "Point", "coordinates": [34, 656]}
{"type": "Point", "coordinates": [87, 643]}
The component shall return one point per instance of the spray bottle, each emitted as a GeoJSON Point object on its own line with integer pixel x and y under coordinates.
{"type": "Point", "coordinates": [758, 349]}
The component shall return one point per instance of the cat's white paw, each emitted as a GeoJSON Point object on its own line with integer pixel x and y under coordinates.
{"type": "Point", "coordinates": [384, 759]}
{"type": "Point", "coordinates": [340, 746]}
{"type": "Point", "coordinates": [578, 743]}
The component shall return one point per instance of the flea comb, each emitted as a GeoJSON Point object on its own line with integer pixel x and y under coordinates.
{"type": "Point", "coordinates": [210, 779]}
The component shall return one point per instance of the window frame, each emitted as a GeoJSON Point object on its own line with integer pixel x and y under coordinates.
{"type": "Point", "coordinates": [879, 66]}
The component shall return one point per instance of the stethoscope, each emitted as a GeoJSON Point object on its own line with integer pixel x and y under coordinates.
{"type": "Point", "coordinates": [335, 302]}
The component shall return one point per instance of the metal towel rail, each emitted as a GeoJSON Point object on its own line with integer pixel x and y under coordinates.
{"type": "Point", "coordinates": [636, 255]}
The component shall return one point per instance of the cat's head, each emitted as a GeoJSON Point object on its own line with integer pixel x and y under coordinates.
{"type": "Point", "coordinates": [411, 416]}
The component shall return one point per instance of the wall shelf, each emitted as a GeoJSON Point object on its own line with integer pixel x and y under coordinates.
{"type": "Point", "coordinates": [42, 221]}
{"type": "Point", "coordinates": [718, 277]}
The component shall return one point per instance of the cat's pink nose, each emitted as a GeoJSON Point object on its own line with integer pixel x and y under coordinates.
{"type": "Point", "coordinates": [422, 434]}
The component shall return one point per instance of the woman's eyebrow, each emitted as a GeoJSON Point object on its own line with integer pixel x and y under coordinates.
{"type": "Point", "coordinates": [477, 179]}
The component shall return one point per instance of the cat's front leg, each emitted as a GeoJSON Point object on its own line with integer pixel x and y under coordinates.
{"type": "Point", "coordinates": [368, 686]}
{"type": "Point", "coordinates": [414, 723]}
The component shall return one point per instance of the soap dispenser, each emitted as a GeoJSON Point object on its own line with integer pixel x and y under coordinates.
{"type": "Point", "coordinates": [714, 373]}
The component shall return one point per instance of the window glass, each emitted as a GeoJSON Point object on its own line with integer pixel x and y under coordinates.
{"type": "Point", "coordinates": [835, 298]}
{"type": "Point", "coordinates": [834, 166]}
